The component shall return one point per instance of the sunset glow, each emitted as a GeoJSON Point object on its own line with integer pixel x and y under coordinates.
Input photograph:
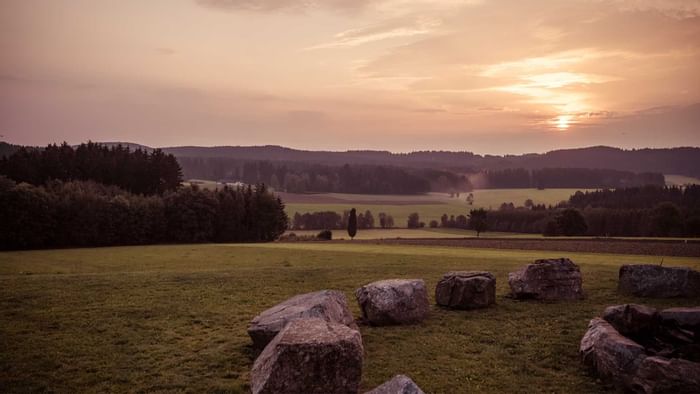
{"type": "Point", "coordinates": [563, 122]}
{"type": "Point", "coordinates": [391, 74]}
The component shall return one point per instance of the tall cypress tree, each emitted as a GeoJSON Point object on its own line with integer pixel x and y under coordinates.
{"type": "Point", "coordinates": [352, 224]}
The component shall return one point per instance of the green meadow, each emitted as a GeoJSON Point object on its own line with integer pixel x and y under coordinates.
{"type": "Point", "coordinates": [429, 206]}
{"type": "Point", "coordinates": [173, 318]}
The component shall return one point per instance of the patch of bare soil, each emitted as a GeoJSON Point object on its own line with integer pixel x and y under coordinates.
{"type": "Point", "coordinates": [594, 245]}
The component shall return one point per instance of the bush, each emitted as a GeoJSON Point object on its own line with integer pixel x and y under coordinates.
{"type": "Point", "coordinates": [325, 235]}
{"type": "Point", "coordinates": [433, 224]}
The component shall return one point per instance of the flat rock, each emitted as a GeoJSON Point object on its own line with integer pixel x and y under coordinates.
{"type": "Point", "coordinates": [310, 355]}
{"type": "Point", "coordinates": [329, 305]}
{"type": "Point", "coordinates": [647, 280]}
{"type": "Point", "coordinates": [662, 375]}
{"type": "Point", "coordinates": [631, 319]}
{"type": "Point", "coordinates": [466, 290]}
{"type": "Point", "coordinates": [399, 384]}
{"type": "Point", "coordinates": [549, 279]}
{"type": "Point", "coordinates": [393, 301]}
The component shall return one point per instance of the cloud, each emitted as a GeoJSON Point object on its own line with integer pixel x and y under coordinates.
{"type": "Point", "coordinates": [392, 29]}
{"type": "Point", "coordinates": [280, 5]}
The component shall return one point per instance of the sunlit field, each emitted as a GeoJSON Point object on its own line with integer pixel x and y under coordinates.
{"type": "Point", "coordinates": [174, 318]}
{"type": "Point", "coordinates": [430, 206]}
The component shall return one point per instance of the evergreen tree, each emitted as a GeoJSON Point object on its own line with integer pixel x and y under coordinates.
{"type": "Point", "coordinates": [352, 224]}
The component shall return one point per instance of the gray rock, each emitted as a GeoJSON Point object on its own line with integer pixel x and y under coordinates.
{"type": "Point", "coordinates": [646, 280]}
{"type": "Point", "coordinates": [393, 301]}
{"type": "Point", "coordinates": [549, 279]}
{"type": "Point", "coordinates": [399, 384]}
{"type": "Point", "coordinates": [608, 353]}
{"type": "Point", "coordinates": [330, 305]}
{"type": "Point", "coordinates": [310, 356]}
{"type": "Point", "coordinates": [688, 318]}
{"type": "Point", "coordinates": [629, 365]}
{"type": "Point", "coordinates": [466, 290]}
{"type": "Point", "coordinates": [662, 375]}
{"type": "Point", "coordinates": [631, 319]}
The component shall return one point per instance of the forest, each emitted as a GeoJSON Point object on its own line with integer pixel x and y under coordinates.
{"type": "Point", "coordinates": [94, 195]}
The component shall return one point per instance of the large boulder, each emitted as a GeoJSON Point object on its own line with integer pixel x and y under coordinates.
{"type": "Point", "coordinates": [611, 355]}
{"type": "Point", "coordinates": [310, 356]}
{"type": "Point", "coordinates": [662, 375]}
{"type": "Point", "coordinates": [646, 280]}
{"type": "Point", "coordinates": [661, 356]}
{"type": "Point", "coordinates": [631, 319]}
{"type": "Point", "coordinates": [393, 301]}
{"type": "Point", "coordinates": [399, 384]}
{"type": "Point", "coordinates": [688, 318]}
{"type": "Point", "coordinates": [466, 290]}
{"type": "Point", "coordinates": [549, 279]}
{"type": "Point", "coordinates": [329, 305]}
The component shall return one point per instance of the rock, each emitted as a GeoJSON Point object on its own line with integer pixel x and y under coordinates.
{"type": "Point", "coordinates": [399, 384]}
{"type": "Point", "coordinates": [466, 290]}
{"type": "Point", "coordinates": [393, 301]}
{"type": "Point", "coordinates": [688, 318]}
{"type": "Point", "coordinates": [631, 319]}
{"type": "Point", "coordinates": [550, 279]}
{"type": "Point", "coordinates": [662, 375]}
{"type": "Point", "coordinates": [646, 280]}
{"type": "Point", "coordinates": [330, 305]}
{"type": "Point", "coordinates": [609, 354]}
{"type": "Point", "coordinates": [310, 356]}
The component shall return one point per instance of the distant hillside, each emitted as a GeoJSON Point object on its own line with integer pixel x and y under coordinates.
{"type": "Point", "coordinates": [681, 161]}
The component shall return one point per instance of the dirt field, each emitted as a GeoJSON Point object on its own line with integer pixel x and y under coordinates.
{"type": "Point", "coordinates": [595, 245]}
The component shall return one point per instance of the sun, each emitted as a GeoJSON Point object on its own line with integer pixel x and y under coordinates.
{"type": "Point", "coordinates": [563, 122]}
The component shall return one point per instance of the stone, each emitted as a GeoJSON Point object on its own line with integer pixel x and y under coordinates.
{"type": "Point", "coordinates": [330, 305]}
{"type": "Point", "coordinates": [399, 384]}
{"type": "Point", "coordinates": [549, 279]}
{"type": "Point", "coordinates": [663, 358]}
{"type": "Point", "coordinates": [466, 290]}
{"type": "Point", "coordinates": [688, 318]}
{"type": "Point", "coordinates": [646, 280]}
{"type": "Point", "coordinates": [393, 301]}
{"type": "Point", "coordinates": [611, 355]}
{"type": "Point", "coordinates": [310, 355]}
{"type": "Point", "coordinates": [631, 319]}
{"type": "Point", "coordinates": [662, 375]}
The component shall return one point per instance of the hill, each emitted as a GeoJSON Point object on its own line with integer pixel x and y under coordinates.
{"type": "Point", "coordinates": [681, 161]}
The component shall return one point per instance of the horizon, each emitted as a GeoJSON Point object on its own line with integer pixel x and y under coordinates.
{"type": "Point", "coordinates": [350, 150]}
{"type": "Point", "coordinates": [387, 75]}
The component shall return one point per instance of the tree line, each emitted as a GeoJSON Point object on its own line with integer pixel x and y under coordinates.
{"type": "Point", "coordinates": [586, 178]}
{"type": "Point", "coordinates": [303, 177]}
{"type": "Point", "coordinates": [86, 213]}
{"type": "Point", "coordinates": [330, 220]}
{"type": "Point", "coordinates": [137, 171]}
{"type": "Point", "coordinates": [640, 211]}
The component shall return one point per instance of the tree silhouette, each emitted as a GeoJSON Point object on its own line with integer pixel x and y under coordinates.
{"type": "Point", "coordinates": [352, 224]}
{"type": "Point", "coordinates": [477, 220]}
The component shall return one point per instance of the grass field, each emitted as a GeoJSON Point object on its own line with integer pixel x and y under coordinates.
{"type": "Point", "coordinates": [429, 206]}
{"type": "Point", "coordinates": [411, 233]}
{"type": "Point", "coordinates": [174, 318]}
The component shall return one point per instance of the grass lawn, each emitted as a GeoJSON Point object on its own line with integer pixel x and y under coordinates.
{"type": "Point", "coordinates": [174, 318]}
{"type": "Point", "coordinates": [400, 206]}
{"type": "Point", "coordinates": [378, 233]}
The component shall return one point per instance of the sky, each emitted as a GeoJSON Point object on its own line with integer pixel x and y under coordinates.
{"type": "Point", "coordinates": [488, 76]}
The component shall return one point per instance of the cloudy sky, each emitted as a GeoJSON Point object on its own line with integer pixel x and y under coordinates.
{"type": "Point", "coordinates": [490, 76]}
